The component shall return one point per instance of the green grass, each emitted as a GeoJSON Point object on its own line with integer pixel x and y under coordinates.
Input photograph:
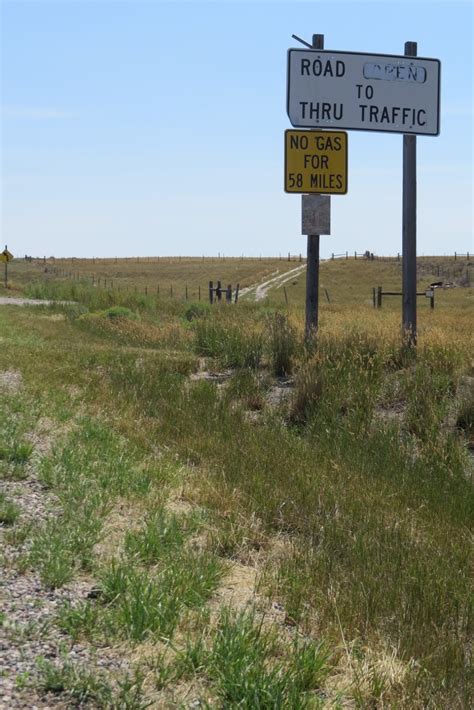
{"type": "Point", "coordinates": [353, 496]}
{"type": "Point", "coordinates": [137, 603]}
{"type": "Point", "coordinates": [243, 662]}
{"type": "Point", "coordinates": [9, 511]}
{"type": "Point", "coordinates": [85, 688]}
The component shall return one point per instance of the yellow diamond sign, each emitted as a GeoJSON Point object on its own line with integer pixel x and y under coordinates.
{"type": "Point", "coordinates": [316, 161]}
{"type": "Point", "coordinates": [6, 255]}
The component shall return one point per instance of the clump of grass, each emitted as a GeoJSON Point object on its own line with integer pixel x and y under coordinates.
{"type": "Point", "coordinates": [136, 604]}
{"type": "Point", "coordinates": [244, 667]}
{"type": "Point", "coordinates": [9, 511]}
{"type": "Point", "coordinates": [282, 344]}
{"type": "Point", "coordinates": [427, 398]}
{"type": "Point", "coordinates": [196, 310]}
{"type": "Point", "coordinates": [92, 467]}
{"type": "Point", "coordinates": [465, 417]}
{"type": "Point", "coordinates": [18, 452]}
{"type": "Point", "coordinates": [119, 313]}
{"type": "Point", "coordinates": [248, 387]}
{"type": "Point", "coordinates": [13, 459]}
{"type": "Point", "coordinates": [145, 593]}
{"type": "Point", "coordinates": [229, 342]}
{"type": "Point", "coordinates": [78, 683]}
{"type": "Point", "coordinates": [161, 535]}
{"type": "Point", "coordinates": [87, 688]}
{"type": "Point", "coordinates": [17, 535]}
{"type": "Point", "coordinates": [307, 393]}
{"type": "Point", "coordinates": [63, 546]}
{"type": "Point", "coordinates": [71, 311]}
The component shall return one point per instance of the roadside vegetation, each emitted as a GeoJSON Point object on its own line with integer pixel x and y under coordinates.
{"type": "Point", "coordinates": [259, 522]}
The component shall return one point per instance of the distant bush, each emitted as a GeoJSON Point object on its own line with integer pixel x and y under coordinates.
{"type": "Point", "coordinates": [71, 311]}
{"type": "Point", "coordinates": [196, 310]}
{"type": "Point", "coordinates": [119, 312]}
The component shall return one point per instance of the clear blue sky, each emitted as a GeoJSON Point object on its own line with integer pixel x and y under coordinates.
{"type": "Point", "coordinates": [134, 127]}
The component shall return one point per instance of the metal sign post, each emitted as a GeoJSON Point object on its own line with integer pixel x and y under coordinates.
{"type": "Point", "coordinates": [409, 230]}
{"type": "Point", "coordinates": [6, 256]}
{"type": "Point", "coordinates": [312, 257]}
{"type": "Point", "coordinates": [361, 92]}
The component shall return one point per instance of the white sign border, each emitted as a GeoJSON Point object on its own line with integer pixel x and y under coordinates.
{"type": "Point", "coordinates": [364, 54]}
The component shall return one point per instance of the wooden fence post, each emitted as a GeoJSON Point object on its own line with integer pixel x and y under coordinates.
{"type": "Point", "coordinates": [211, 292]}
{"type": "Point", "coordinates": [219, 291]}
{"type": "Point", "coordinates": [237, 293]}
{"type": "Point", "coordinates": [379, 296]}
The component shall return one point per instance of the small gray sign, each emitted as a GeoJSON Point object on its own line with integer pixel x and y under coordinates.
{"type": "Point", "coordinates": [315, 214]}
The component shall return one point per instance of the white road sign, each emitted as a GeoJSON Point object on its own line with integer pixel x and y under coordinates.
{"type": "Point", "coordinates": [363, 92]}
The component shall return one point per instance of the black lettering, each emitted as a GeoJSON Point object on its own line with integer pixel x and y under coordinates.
{"type": "Point", "coordinates": [305, 67]}
{"type": "Point", "coordinates": [340, 68]}
{"type": "Point", "coordinates": [303, 105]}
{"type": "Point", "coordinates": [385, 116]}
{"type": "Point", "coordinates": [324, 162]}
{"type": "Point", "coordinates": [317, 67]}
{"type": "Point", "coordinates": [419, 121]}
{"type": "Point", "coordinates": [339, 182]}
{"type": "Point", "coordinates": [337, 143]}
{"type": "Point", "coordinates": [328, 69]}
{"type": "Point", "coordinates": [362, 108]}
{"type": "Point", "coordinates": [338, 117]}
{"type": "Point", "coordinates": [294, 142]}
{"type": "Point", "coordinates": [374, 113]}
{"type": "Point", "coordinates": [326, 111]}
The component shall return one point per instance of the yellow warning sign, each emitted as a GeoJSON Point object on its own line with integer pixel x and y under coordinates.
{"type": "Point", "coordinates": [6, 255]}
{"type": "Point", "coordinates": [316, 161]}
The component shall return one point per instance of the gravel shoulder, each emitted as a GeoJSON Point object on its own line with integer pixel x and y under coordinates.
{"type": "Point", "coordinates": [7, 301]}
{"type": "Point", "coordinates": [28, 609]}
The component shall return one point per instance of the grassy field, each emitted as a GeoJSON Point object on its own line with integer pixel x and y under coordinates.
{"type": "Point", "coordinates": [166, 277]}
{"type": "Point", "coordinates": [224, 516]}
